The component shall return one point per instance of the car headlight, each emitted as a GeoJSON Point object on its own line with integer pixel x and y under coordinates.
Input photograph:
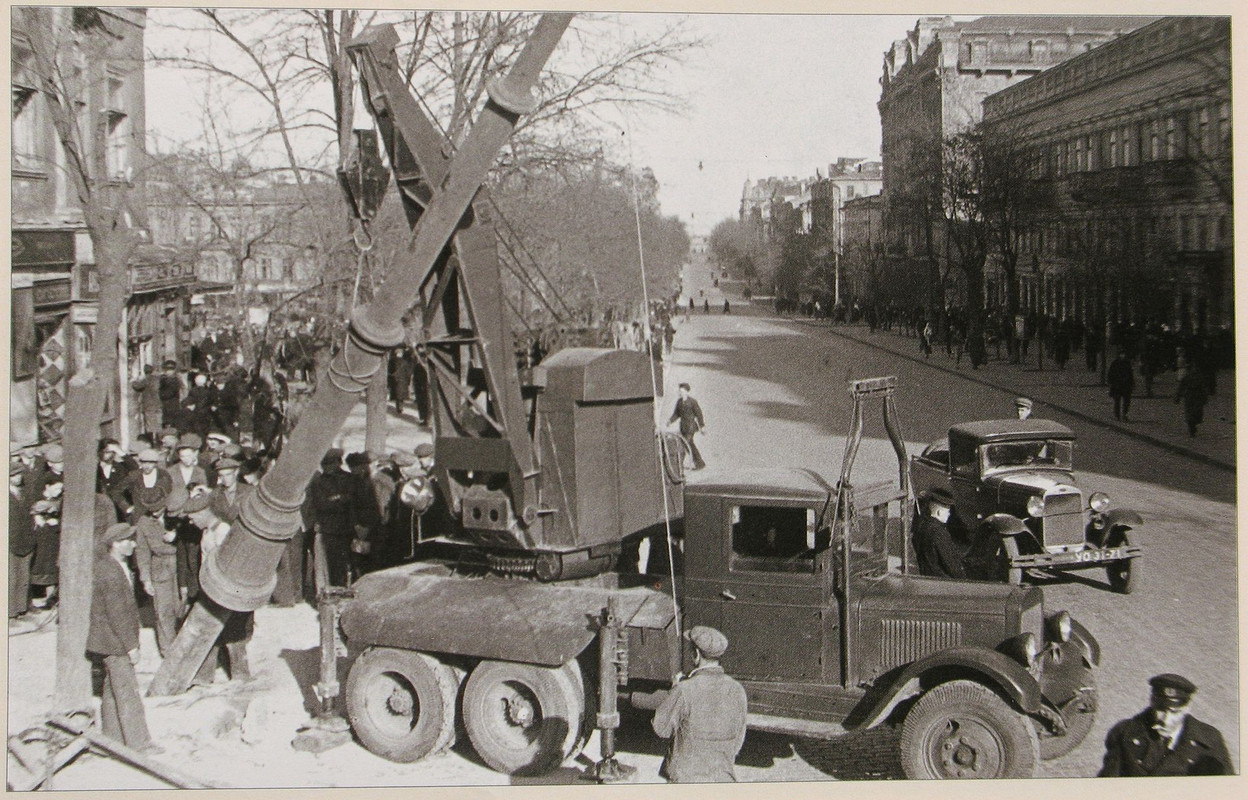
{"type": "Point", "coordinates": [1035, 506]}
{"type": "Point", "coordinates": [1060, 626]}
{"type": "Point", "coordinates": [1099, 502]}
{"type": "Point", "coordinates": [1028, 648]}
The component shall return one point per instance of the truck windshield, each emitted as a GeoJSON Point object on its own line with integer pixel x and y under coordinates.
{"type": "Point", "coordinates": [1049, 453]}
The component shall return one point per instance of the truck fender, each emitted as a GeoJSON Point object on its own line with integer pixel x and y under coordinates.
{"type": "Point", "coordinates": [1091, 646]}
{"type": "Point", "coordinates": [423, 608]}
{"type": "Point", "coordinates": [995, 670]}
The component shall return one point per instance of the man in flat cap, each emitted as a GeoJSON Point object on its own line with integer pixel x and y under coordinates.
{"type": "Point", "coordinates": [113, 637]}
{"type": "Point", "coordinates": [157, 560]}
{"type": "Point", "coordinates": [1165, 739]}
{"type": "Point", "coordinates": [703, 715]}
{"type": "Point", "coordinates": [938, 555]}
{"type": "Point", "coordinates": [239, 625]}
{"type": "Point", "coordinates": [1022, 406]}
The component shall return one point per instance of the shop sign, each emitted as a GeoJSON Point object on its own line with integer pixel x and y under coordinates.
{"type": "Point", "coordinates": [43, 248]}
{"type": "Point", "coordinates": [52, 293]}
{"type": "Point", "coordinates": [153, 277]}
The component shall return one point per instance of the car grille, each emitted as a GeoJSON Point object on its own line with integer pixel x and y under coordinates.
{"type": "Point", "coordinates": [905, 640]}
{"type": "Point", "coordinates": [1063, 519]}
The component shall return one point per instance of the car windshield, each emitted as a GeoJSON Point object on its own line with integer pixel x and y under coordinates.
{"type": "Point", "coordinates": [1050, 453]}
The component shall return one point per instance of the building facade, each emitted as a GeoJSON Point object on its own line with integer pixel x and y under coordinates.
{"type": "Point", "coordinates": [933, 87]}
{"type": "Point", "coordinates": [98, 57]}
{"type": "Point", "coordinates": [847, 179]}
{"type": "Point", "coordinates": [1130, 147]}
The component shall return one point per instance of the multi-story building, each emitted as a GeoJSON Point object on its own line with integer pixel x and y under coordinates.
{"type": "Point", "coordinates": [774, 202]}
{"type": "Point", "coordinates": [257, 239]}
{"type": "Point", "coordinates": [1130, 148]}
{"type": "Point", "coordinates": [933, 87]}
{"type": "Point", "coordinates": [98, 56]}
{"type": "Point", "coordinates": [862, 262]}
{"type": "Point", "coordinates": [847, 179]}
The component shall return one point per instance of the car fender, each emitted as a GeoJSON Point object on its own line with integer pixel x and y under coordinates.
{"type": "Point", "coordinates": [1004, 525]}
{"type": "Point", "coordinates": [995, 670]}
{"type": "Point", "coordinates": [1122, 518]}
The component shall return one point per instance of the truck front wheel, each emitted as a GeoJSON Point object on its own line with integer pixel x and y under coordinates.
{"type": "Point", "coordinates": [961, 729]}
{"type": "Point", "coordinates": [402, 703]}
{"type": "Point", "coordinates": [522, 718]}
{"type": "Point", "coordinates": [1124, 575]}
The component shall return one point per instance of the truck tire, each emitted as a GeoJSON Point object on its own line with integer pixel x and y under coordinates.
{"type": "Point", "coordinates": [1079, 719]}
{"type": "Point", "coordinates": [523, 719]}
{"type": "Point", "coordinates": [401, 703]}
{"type": "Point", "coordinates": [1124, 575]}
{"type": "Point", "coordinates": [961, 729]}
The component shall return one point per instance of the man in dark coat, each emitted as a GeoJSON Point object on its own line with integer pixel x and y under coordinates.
{"type": "Point", "coordinates": [1165, 739]}
{"type": "Point", "coordinates": [170, 388]}
{"type": "Point", "coordinates": [703, 715]}
{"type": "Point", "coordinates": [156, 557]}
{"type": "Point", "coordinates": [938, 555]}
{"type": "Point", "coordinates": [689, 413]}
{"type": "Point", "coordinates": [150, 401]}
{"type": "Point", "coordinates": [1193, 391]}
{"type": "Point", "coordinates": [114, 638]}
{"type": "Point", "coordinates": [21, 542]}
{"type": "Point", "coordinates": [330, 494]}
{"type": "Point", "coordinates": [1121, 384]}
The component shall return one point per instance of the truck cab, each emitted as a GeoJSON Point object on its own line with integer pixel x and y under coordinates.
{"type": "Point", "coordinates": [831, 628]}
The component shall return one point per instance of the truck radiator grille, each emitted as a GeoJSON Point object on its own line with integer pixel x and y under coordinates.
{"type": "Point", "coordinates": [904, 640]}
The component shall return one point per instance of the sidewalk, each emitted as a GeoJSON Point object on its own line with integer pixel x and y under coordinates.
{"type": "Point", "coordinates": [1078, 392]}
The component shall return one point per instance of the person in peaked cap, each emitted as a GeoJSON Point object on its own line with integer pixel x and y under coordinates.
{"type": "Point", "coordinates": [1023, 406]}
{"type": "Point", "coordinates": [703, 715]}
{"type": "Point", "coordinates": [937, 553]}
{"type": "Point", "coordinates": [113, 637]}
{"type": "Point", "coordinates": [1165, 739]}
{"type": "Point", "coordinates": [146, 483]}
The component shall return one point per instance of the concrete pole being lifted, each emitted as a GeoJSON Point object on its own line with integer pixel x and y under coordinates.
{"type": "Point", "coordinates": [240, 576]}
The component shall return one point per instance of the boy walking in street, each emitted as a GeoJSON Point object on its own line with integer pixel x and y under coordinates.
{"type": "Point", "coordinates": [691, 422]}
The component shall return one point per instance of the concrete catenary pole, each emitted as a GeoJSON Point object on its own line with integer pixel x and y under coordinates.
{"type": "Point", "coordinates": [240, 576]}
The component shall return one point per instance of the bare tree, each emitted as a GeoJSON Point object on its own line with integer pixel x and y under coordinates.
{"type": "Point", "coordinates": [57, 41]}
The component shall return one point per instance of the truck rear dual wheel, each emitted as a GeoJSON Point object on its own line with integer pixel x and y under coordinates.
{"type": "Point", "coordinates": [401, 703]}
{"type": "Point", "coordinates": [524, 719]}
{"type": "Point", "coordinates": [961, 729]}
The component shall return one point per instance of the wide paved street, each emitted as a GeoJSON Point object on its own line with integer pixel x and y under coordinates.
{"type": "Point", "coordinates": [775, 393]}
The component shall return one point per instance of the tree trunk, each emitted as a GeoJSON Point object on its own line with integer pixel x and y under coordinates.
{"type": "Point", "coordinates": [83, 409]}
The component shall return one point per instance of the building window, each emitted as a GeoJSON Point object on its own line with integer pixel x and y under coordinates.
{"type": "Point", "coordinates": [27, 111]}
{"type": "Point", "coordinates": [1080, 155]}
{"type": "Point", "coordinates": [1204, 132]}
{"type": "Point", "coordinates": [1224, 127]}
{"type": "Point", "coordinates": [1154, 140]}
{"type": "Point", "coordinates": [117, 135]}
{"type": "Point", "coordinates": [1038, 50]}
{"type": "Point", "coordinates": [1114, 155]}
{"type": "Point", "coordinates": [978, 51]}
{"type": "Point", "coordinates": [1172, 138]}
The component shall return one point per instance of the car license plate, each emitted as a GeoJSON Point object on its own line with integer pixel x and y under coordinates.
{"type": "Point", "coordinates": [1109, 554]}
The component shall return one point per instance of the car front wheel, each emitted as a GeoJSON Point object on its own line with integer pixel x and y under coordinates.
{"type": "Point", "coordinates": [1124, 575]}
{"type": "Point", "coordinates": [961, 729]}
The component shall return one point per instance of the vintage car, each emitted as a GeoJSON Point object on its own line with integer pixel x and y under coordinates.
{"type": "Point", "coordinates": [1016, 500]}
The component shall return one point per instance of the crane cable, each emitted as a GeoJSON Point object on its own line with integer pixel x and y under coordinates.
{"type": "Point", "coordinates": [654, 380]}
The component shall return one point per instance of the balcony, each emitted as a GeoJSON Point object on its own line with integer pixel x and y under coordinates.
{"type": "Point", "coordinates": [1157, 181]}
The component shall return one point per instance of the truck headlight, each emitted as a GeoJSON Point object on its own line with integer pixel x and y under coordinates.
{"type": "Point", "coordinates": [1028, 648]}
{"type": "Point", "coordinates": [1099, 502]}
{"type": "Point", "coordinates": [1060, 626]}
{"type": "Point", "coordinates": [1035, 506]}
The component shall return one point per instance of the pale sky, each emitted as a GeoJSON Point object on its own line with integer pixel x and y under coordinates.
{"type": "Point", "coordinates": [769, 95]}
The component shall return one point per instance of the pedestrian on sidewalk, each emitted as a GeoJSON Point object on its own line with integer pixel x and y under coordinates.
{"type": "Point", "coordinates": [1121, 383]}
{"type": "Point", "coordinates": [1193, 392]}
{"type": "Point", "coordinates": [925, 340]}
{"type": "Point", "coordinates": [689, 412]}
{"type": "Point", "coordinates": [113, 637]}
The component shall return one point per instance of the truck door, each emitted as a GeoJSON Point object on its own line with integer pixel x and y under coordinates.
{"type": "Point", "coordinates": [768, 594]}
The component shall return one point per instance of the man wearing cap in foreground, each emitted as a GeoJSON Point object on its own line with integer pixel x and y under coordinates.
{"type": "Point", "coordinates": [703, 715]}
{"type": "Point", "coordinates": [1022, 406]}
{"type": "Point", "coordinates": [157, 560]}
{"type": "Point", "coordinates": [1165, 739]}
{"type": "Point", "coordinates": [114, 637]}
{"type": "Point", "coordinates": [239, 626]}
{"type": "Point", "coordinates": [938, 555]}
